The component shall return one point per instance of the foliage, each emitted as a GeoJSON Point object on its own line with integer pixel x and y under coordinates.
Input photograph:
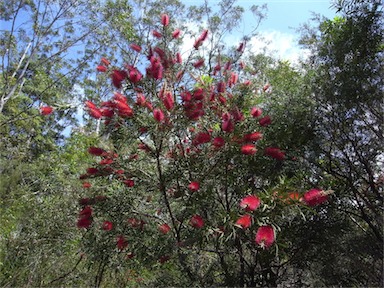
{"type": "Point", "coordinates": [179, 156]}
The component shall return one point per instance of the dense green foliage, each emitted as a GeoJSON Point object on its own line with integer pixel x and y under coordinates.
{"type": "Point", "coordinates": [327, 116]}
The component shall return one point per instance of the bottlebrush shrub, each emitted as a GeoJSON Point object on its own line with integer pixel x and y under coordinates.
{"type": "Point", "coordinates": [175, 182]}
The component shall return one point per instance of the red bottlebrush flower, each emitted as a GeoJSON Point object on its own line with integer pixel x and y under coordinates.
{"type": "Point", "coordinates": [248, 149]}
{"type": "Point", "coordinates": [218, 142]}
{"type": "Point", "coordinates": [176, 34]}
{"type": "Point", "coordinates": [107, 225]}
{"type": "Point", "coordinates": [199, 63]}
{"type": "Point", "coordinates": [101, 68]}
{"type": "Point", "coordinates": [250, 203]}
{"type": "Point", "coordinates": [256, 112]}
{"type": "Point", "coordinates": [253, 137]}
{"type": "Point", "coordinates": [201, 138]}
{"type": "Point", "coordinates": [164, 228]}
{"type": "Point", "coordinates": [129, 182]}
{"type": "Point", "coordinates": [241, 47]}
{"type": "Point", "coordinates": [157, 34]}
{"type": "Point", "coordinates": [201, 39]}
{"type": "Point", "coordinates": [266, 87]}
{"type": "Point", "coordinates": [90, 104]}
{"type": "Point", "coordinates": [194, 186]}
{"type": "Point", "coordinates": [121, 242]}
{"type": "Point", "coordinates": [274, 153]}
{"type": "Point", "coordinates": [87, 185]}
{"type": "Point", "coordinates": [204, 35]}
{"type": "Point", "coordinates": [265, 236]}
{"type": "Point", "coordinates": [135, 47]}
{"type": "Point", "coordinates": [92, 171]}
{"type": "Point", "coordinates": [198, 94]}
{"type": "Point", "coordinates": [168, 101]}
{"type": "Point", "coordinates": [107, 161]}
{"type": "Point", "coordinates": [234, 78]}
{"type": "Point", "coordinates": [105, 61]}
{"type": "Point", "coordinates": [86, 212]}
{"type": "Point", "coordinates": [164, 259]}
{"type": "Point", "coordinates": [84, 222]}
{"type": "Point", "coordinates": [134, 75]}
{"type": "Point", "coordinates": [85, 201]}
{"type": "Point", "coordinates": [140, 99]}
{"type": "Point", "coordinates": [96, 151]}
{"type": "Point", "coordinates": [196, 221]}
{"type": "Point", "coordinates": [237, 115]}
{"type": "Point", "coordinates": [242, 65]}
{"type": "Point", "coordinates": [315, 197]}
{"type": "Point", "coordinates": [178, 58]}
{"type": "Point", "coordinates": [95, 113]}
{"type": "Point", "coordinates": [179, 75]}
{"type": "Point", "coordinates": [144, 147]}
{"type": "Point", "coordinates": [118, 77]}
{"type": "Point", "coordinates": [107, 112]}
{"type": "Point", "coordinates": [158, 114]}
{"type": "Point", "coordinates": [244, 221]}
{"type": "Point", "coordinates": [119, 172]}
{"type": "Point", "coordinates": [265, 121]}
{"type": "Point", "coordinates": [221, 87]}
{"type": "Point", "coordinates": [46, 110]}
{"type": "Point", "coordinates": [165, 20]}
{"type": "Point", "coordinates": [227, 126]}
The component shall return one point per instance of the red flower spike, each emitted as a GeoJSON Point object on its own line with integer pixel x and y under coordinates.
{"type": "Point", "coordinates": [176, 34]}
{"type": "Point", "coordinates": [118, 76]}
{"type": "Point", "coordinates": [178, 58]}
{"type": "Point", "coordinates": [92, 171]}
{"type": "Point", "coordinates": [315, 197]}
{"type": "Point", "coordinates": [90, 104]}
{"type": "Point", "coordinates": [129, 182]}
{"type": "Point", "coordinates": [194, 186]}
{"type": "Point", "coordinates": [101, 68]}
{"type": "Point", "coordinates": [165, 20]}
{"type": "Point", "coordinates": [84, 222]}
{"type": "Point", "coordinates": [158, 114]}
{"type": "Point", "coordinates": [199, 63]}
{"type": "Point", "coordinates": [105, 61]}
{"type": "Point", "coordinates": [46, 110]}
{"type": "Point", "coordinates": [244, 221]}
{"type": "Point", "coordinates": [241, 47]}
{"type": "Point", "coordinates": [201, 138]}
{"type": "Point", "coordinates": [253, 137]}
{"type": "Point", "coordinates": [95, 113]}
{"type": "Point", "coordinates": [135, 47]}
{"type": "Point", "coordinates": [157, 34]}
{"type": "Point", "coordinates": [168, 101]}
{"type": "Point", "coordinates": [86, 212]}
{"type": "Point", "coordinates": [248, 149]}
{"type": "Point", "coordinates": [221, 87]}
{"type": "Point", "coordinates": [87, 185]}
{"type": "Point", "coordinates": [204, 35]}
{"type": "Point", "coordinates": [164, 228]}
{"type": "Point", "coordinates": [275, 153]}
{"type": "Point", "coordinates": [96, 151]}
{"type": "Point", "coordinates": [250, 203]}
{"type": "Point", "coordinates": [218, 142]}
{"type": "Point", "coordinates": [256, 112]}
{"type": "Point", "coordinates": [265, 236]}
{"type": "Point", "coordinates": [196, 221]}
{"type": "Point", "coordinates": [107, 225]}
{"type": "Point", "coordinates": [121, 242]}
{"type": "Point", "coordinates": [265, 121]}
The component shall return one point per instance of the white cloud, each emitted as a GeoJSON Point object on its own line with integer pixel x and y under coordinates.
{"type": "Point", "coordinates": [279, 45]}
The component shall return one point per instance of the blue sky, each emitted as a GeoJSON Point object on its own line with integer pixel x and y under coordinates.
{"type": "Point", "coordinates": [277, 31]}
